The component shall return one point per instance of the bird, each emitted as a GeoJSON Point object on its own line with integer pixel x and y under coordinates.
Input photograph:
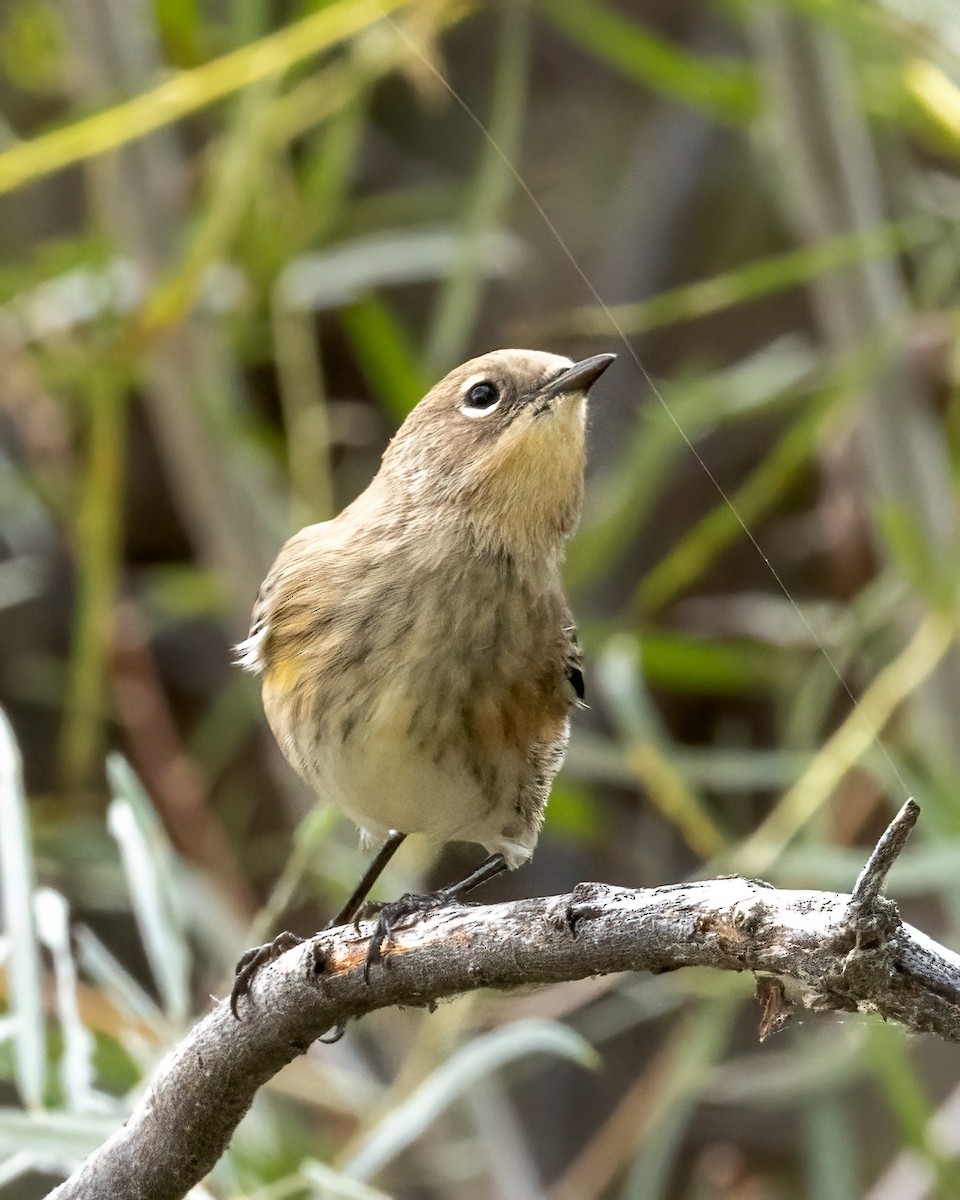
{"type": "Point", "coordinates": [418, 657]}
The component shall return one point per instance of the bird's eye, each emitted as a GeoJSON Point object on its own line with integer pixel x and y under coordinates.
{"type": "Point", "coordinates": [482, 396]}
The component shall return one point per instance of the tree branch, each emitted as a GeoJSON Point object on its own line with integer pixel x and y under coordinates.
{"type": "Point", "coordinates": [871, 879]}
{"type": "Point", "coordinates": [842, 952]}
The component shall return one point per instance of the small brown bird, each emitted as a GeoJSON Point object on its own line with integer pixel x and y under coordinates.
{"type": "Point", "coordinates": [419, 659]}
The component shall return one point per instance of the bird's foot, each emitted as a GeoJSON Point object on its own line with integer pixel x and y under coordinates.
{"type": "Point", "coordinates": [255, 959]}
{"type": "Point", "coordinates": [395, 915]}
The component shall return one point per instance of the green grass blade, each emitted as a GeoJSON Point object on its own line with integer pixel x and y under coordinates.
{"type": "Point", "coordinates": [385, 354]}
{"type": "Point", "coordinates": [831, 1157]}
{"type": "Point", "coordinates": [753, 281]}
{"type": "Point", "coordinates": [724, 88]}
{"type": "Point", "coordinates": [98, 549]}
{"type": "Point", "coordinates": [188, 92]}
{"type": "Point", "coordinates": [459, 301]}
{"type": "Point", "coordinates": [618, 507]}
{"type": "Point", "coordinates": [623, 690]}
{"type": "Point", "coordinates": [693, 555]}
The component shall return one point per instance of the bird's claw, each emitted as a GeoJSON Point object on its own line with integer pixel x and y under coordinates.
{"type": "Point", "coordinates": [255, 959]}
{"type": "Point", "coordinates": [393, 916]}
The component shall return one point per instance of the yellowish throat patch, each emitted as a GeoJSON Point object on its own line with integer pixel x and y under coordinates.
{"type": "Point", "coordinates": [533, 481]}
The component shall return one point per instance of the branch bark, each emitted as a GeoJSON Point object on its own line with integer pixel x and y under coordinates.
{"type": "Point", "coordinates": [843, 952]}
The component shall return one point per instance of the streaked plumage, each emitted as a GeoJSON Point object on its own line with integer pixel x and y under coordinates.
{"type": "Point", "coordinates": [419, 659]}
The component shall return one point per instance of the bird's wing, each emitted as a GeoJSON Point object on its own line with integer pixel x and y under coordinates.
{"type": "Point", "coordinates": [573, 662]}
{"type": "Point", "coordinates": [276, 585]}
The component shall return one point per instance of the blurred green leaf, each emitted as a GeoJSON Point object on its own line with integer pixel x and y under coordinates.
{"type": "Point", "coordinates": [934, 575]}
{"type": "Point", "coordinates": [180, 26]}
{"type": "Point", "coordinates": [354, 177]}
{"type": "Point", "coordinates": [619, 506]}
{"type": "Point", "coordinates": [598, 760]}
{"type": "Point", "coordinates": [458, 300]}
{"type": "Point", "coordinates": [173, 591]}
{"type": "Point", "coordinates": [906, 1094]}
{"type": "Point", "coordinates": [737, 515]}
{"type": "Point", "coordinates": [303, 400]}
{"type": "Point", "coordinates": [350, 271]}
{"type": "Point", "coordinates": [724, 88]}
{"type": "Point", "coordinates": [937, 98]}
{"type": "Point", "coordinates": [859, 733]}
{"type": "Point", "coordinates": [236, 172]}
{"type": "Point", "coordinates": [833, 1150]}
{"type": "Point", "coordinates": [778, 1078]}
{"type": "Point", "coordinates": [98, 543]}
{"type": "Point", "coordinates": [931, 865]}
{"type": "Point", "coordinates": [706, 666]}
{"type": "Point", "coordinates": [31, 44]}
{"type": "Point", "coordinates": [752, 281]}
{"type": "Point", "coordinates": [221, 730]}
{"type": "Point", "coordinates": [623, 691]}
{"type": "Point", "coordinates": [571, 813]}
{"type": "Point", "coordinates": [385, 353]}
{"type": "Point", "coordinates": [187, 92]}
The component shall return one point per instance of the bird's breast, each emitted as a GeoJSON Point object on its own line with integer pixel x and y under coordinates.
{"type": "Point", "coordinates": [433, 707]}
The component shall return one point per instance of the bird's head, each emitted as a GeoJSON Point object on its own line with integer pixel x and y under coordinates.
{"type": "Point", "coordinates": [498, 448]}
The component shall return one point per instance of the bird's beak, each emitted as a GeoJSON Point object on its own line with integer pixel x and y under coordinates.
{"type": "Point", "coordinates": [578, 378]}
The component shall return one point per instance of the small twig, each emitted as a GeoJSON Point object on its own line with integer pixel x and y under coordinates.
{"type": "Point", "coordinates": [871, 879]}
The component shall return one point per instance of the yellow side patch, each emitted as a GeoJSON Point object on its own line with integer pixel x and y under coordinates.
{"type": "Point", "coordinates": [281, 677]}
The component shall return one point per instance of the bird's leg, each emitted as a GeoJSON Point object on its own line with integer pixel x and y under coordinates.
{"type": "Point", "coordinates": [490, 868]}
{"type": "Point", "coordinates": [370, 877]}
{"type": "Point", "coordinates": [257, 957]}
{"type": "Point", "coordinates": [395, 913]}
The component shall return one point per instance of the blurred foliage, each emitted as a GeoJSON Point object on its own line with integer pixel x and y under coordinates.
{"type": "Point", "coordinates": [237, 242]}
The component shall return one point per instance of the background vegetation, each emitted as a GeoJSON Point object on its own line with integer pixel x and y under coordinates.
{"type": "Point", "coordinates": [238, 239]}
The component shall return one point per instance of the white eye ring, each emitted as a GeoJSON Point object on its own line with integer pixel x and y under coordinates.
{"type": "Point", "coordinates": [480, 397]}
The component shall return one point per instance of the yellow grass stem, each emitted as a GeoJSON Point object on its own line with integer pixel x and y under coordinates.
{"type": "Point", "coordinates": [188, 91]}
{"type": "Point", "coordinates": [898, 680]}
